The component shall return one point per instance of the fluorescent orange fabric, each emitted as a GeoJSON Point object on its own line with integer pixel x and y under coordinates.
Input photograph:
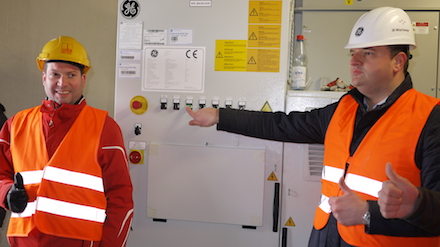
{"type": "Point", "coordinates": [393, 138]}
{"type": "Point", "coordinates": [74, 154]}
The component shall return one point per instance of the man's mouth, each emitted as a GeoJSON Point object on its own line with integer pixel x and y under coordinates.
{"type": "Point", "coordinates": [63, 92]}
{"type": "Point", "coordinates": [356, 72]}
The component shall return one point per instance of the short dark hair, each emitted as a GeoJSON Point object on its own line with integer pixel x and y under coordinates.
{"type": "Point", "coordinates": [396, 49]}
{"type": "Point", "coordinates": [80, 66]}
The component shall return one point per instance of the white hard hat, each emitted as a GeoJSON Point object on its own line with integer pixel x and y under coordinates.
{"type": "Point", "coordinates": [382, 26]}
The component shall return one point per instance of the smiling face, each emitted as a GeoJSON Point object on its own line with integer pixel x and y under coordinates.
{"type": "Point", "coordinates": [63, 82]}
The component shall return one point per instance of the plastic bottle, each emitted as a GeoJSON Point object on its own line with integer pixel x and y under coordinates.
{"type": "Point", "coordinates": [299, 65]}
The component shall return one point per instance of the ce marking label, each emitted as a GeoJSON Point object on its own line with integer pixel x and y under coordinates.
{"type": "Point", "coordinates": [191, 53]}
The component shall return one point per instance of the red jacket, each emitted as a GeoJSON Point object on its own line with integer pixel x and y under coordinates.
{"type": "Point", "coordinates": [111, 158]}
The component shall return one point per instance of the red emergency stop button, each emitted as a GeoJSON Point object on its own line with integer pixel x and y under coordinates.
{"type": "Point", "coordinates": [136, 104]}
{"type": "Point", "coordinates": [135, 157]}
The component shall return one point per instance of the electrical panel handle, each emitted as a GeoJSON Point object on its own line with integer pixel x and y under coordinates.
{"type": "Point", "coordinates": [276, 207]}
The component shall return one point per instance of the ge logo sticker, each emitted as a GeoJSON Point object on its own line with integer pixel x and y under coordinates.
{"type": "Point", "coordinates": [130, 9]}
{"type": "Point", "coordinates": [154, 53]}
{"type": "Point", "coordinates": [359, 31]}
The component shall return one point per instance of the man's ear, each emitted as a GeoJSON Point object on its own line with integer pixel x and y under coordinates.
{"type": "Point", "coordinates": [43, 77]}
{"type": "Point", "coordinates": [400, 61]}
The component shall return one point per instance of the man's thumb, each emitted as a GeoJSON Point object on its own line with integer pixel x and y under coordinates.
{"type": "Point", "coordinates": [392, 175]}
{"type": "Point", "coordinates": [344, 186]}
{"type": "Point", "coordinates": [18, 181]}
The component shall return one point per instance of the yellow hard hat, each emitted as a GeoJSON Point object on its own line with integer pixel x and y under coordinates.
{"type": "Point", "coordinates": [64, 48]}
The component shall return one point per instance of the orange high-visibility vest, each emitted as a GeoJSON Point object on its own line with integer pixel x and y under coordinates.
{"type": "Point", "coordinates": [66, 193]}
{"type": "Point", "coordinates": [393, 138]}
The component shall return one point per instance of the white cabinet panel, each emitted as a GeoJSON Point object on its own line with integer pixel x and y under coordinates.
{"type": "Point", "coordinates": [206, 184]}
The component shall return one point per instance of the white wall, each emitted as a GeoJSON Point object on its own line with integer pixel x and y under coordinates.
{"type": "Point", "coordinates": [25, 28]}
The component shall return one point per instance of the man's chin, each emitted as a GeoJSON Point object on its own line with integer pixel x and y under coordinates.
{"type": "Point", "coordinates": [355, 82]}
{"type": "Point", "coordinates": [63, 101]}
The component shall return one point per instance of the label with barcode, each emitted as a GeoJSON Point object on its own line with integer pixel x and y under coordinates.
{"type": "Point", "coordinates": [181, 36]}
{"type": "Point", "coordinates": [130, 55]}
{"type": "Point", "coordinates": [129, 70]}
{"type": "Point", "coordinates": [155, 37]}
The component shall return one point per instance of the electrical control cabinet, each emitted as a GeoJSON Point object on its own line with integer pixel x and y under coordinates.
{"type": "Point", "coordinates": [197, 186]}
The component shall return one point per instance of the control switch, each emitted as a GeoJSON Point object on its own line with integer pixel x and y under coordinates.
{"type": "Point", "coordinates": [215, 103]}
{"type": "Point", "coordinates": [202, 103]}
{"type": "Point", "coordinates": [189, 102]}
{"type": "Point", "coordinates": [176, 104]}
{"type": "Point", "coordinates": [228, 104]}
{"type": "Point", "coordinates": [137, 129]}
{"type": "Point", "coordinates": [241, 104]}
{"type": "Point", "coordinates": [163, 103]}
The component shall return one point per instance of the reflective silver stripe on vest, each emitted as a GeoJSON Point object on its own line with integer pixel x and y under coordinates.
{"type": "Point", "coordinates": [32, 177]}
{"type": "Point", "coordinates": [323, 205]}
{"type": "Point", "coordinates": [332, 174]}
{"type": "Point", "coordinates": [59, 207]}
{"type": "Point", "coordinates": [73, 178]}
{"type": "Point", "coordinates": [71, 210]}
{"type": "Point", "coordinates": [354, 182]}
{"type": "Point", "coordinates": [363, 184]}
{"type": "Point", "coordinates": [28, 211]}
{"type": "Point", "coordinates": [62, 208]}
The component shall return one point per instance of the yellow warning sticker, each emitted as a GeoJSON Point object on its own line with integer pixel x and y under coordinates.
{"type": "Point", "coordinates": [266, 107]}
{"type": "Point", "coordinates": [290, 222]}
{"type": "Point", "coordinates": [263, 60]}
{"type": "Point", "coordinates": [264, 36]}
{"type": "Point", "coordinates": [348, 2]}
{"type": "Point", "coordinates": [272, 177]}
{"type": "Point", "coordinates": [231, 55]}
{"type": "Point", "coordinates": [265, 11]}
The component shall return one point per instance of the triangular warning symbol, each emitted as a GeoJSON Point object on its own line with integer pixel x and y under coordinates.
{"type": "Point", "coordinates": [219, 55]}
{"type": "Point", "coordinates": [266, 107]}
{"type": "Point", "coordinates": [253, 36]}
{"type": "Point", "coordinates": [252, 61]}
{"type": "Point", "coordinates": [290, 222]}
{"type": "Point", "coordinates": [254, 12]}
{"type": "Point", "coordinates": [272, 177]}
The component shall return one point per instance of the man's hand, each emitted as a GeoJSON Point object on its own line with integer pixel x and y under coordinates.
{"type": "Point", "coordinates": [205, 117]}
{"type": "Point", "coordinates": [348, 208]}
{"type": "Point", "coordinates": [17, 198]}
{"type": "Point", "coordinates": [397, 196]}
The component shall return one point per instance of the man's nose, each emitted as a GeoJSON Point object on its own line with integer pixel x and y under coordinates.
{"type": "Point", "coordinates": [62, 80]}
{"type": "Point", "coordinates": [356, 58]}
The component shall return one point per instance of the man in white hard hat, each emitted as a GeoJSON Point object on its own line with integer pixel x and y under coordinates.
{"type": "Point", "coordinates": [383, 120]}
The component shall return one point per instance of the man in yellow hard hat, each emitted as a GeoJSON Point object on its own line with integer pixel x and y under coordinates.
{"type": "Point", "coordinates": [63, 167]}
{"type": "Point", "coordinates": [383, 120]}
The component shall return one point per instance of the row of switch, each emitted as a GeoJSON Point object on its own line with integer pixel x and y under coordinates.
{"type": "Point", "coordinates": [215, 103]}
